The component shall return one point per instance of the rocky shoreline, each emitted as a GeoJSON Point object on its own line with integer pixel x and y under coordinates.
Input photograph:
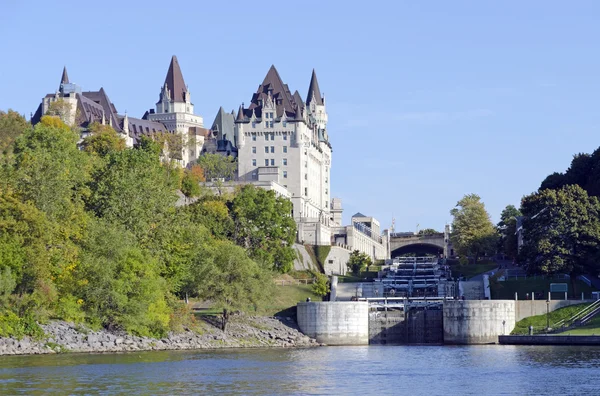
{"type": "Point", "coordinates": [242, 332]}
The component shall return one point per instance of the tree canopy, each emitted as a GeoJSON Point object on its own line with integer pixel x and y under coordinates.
{"type": "Point", "coordinates": [473, 233]}
{"type": "Point", "coordinates": [562, 231]}
{"type": "Point", "coordinates": [92, 233]}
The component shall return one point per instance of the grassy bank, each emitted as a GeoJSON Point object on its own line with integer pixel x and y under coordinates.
{"type": "Point", "coordinates": [539, 322]}
{"type": "Point", "coordinates": [591, 328]}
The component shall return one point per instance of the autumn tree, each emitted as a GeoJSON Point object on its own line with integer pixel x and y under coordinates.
{"type": "Point", "coordinates": [190, 183]}
{"type": "Point", "coordinates": [473, 233]}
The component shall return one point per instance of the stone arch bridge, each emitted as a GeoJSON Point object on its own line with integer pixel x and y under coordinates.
{"type": "Point", "coordinates": [408, 242]}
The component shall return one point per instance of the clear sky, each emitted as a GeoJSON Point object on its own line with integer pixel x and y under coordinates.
{"type": "Point", "coordinates": [427, 100]}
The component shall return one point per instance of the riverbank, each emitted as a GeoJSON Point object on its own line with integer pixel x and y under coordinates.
{"type": "Point", "coordinates": [242, 332]}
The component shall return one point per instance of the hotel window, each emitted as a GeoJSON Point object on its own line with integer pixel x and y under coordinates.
{"type": "Point", "coordinates": [266, 162]}
{"type": "Point", "coordinates": [266, 149]}
{"type": "Point", "coordinates": [284, 136]}
{"type": "Point", "coordinates": [305, 164]}
{"type": "Point", "coordinates": [272, 162]}
{"type": "Point", "coordinates": [305, 190]}
{"type": "Point", "coordinates": [284, 125]}
{"type": "Point", "coordinates": [254, 162]}
{"type": "Point", "coordinates": [272, 149]}
{"type": "Point", "coordinates": [254, 126]}
{"type": "Point", "coordinates": [326, 191]}
{"type": "Point", "coordinates": [285, 174]}
{"type": "Point", "coordinates": [272, 135]}
{"type": "Point", "coordinates": [254, 137]}
{"type": "Point", "coordinates": [285, 149]}
{"type": "Point", "coordinates": [270, 124]}
{"type": "Point", "coordinates": [266, 136]}
{"type": "Point", "coordinates": [306, 176]}
{"type": "Point", "coordinates": [266, 124]}
{"type": "Point", "coordinates": [253, 150]}
{"type": "Point", "coordinates": [285, 161]}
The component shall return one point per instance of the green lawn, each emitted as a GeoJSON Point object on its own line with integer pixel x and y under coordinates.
{"type": "Point", "coordinates": [506, 290]}
{"type": "Point", "coordinates": [539, 322]}
{"type": "Point", "coordinates": [471, 270]}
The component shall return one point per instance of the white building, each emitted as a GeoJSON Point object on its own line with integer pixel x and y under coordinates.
{"type": "Point", "coordinates": [282, 139]}
{"type": "Point", "coordinates": [364, 235]}
{"type": "Point", "coordinates": [175, 111]}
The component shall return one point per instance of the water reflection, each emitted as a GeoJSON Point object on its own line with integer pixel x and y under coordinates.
{"type": "Point", "coordinates": [473, 370]}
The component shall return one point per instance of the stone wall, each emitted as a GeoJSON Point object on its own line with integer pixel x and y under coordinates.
{"type": "Point", "coordinates": [335, 323]}
{"type": "Point", "coordinates": [477, 322]}
{"type": "Point", "coordinates": [242, 332]}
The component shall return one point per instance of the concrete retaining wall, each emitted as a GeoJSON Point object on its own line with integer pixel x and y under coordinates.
{"type": "Point", "coordinates": [550, 340]}
{"type": "Point", "coordinates": [335, 323]}
{"type": "Point", "coordinates": [527, 308]}
{"type": "Point", "coordinates": [477, 322]}
{"type": "Point", "coordinates": [336, 261]}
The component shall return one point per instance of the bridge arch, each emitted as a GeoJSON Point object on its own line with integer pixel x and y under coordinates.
{"type": "Point", "coordinates": [419, 249]}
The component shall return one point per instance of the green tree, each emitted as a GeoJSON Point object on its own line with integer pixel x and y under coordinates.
{"type": "Point", "coordinates": [134, 189]}
{"type": "Point", "coordinates": [473, 233]}
{"type": "Point", "coordinates": [213, 213]}
{"type": "Point", "coordinates": [233, 281]}
{"type": "Point", "coordinates": [358, 262]}
{"type": "Point", "coordinates": [507, 228]}
{"type": "Point", "coordinates": [50, 170]}
{"type": "Point", "coordinates": [428, 231]}
{"type": "Point", "coordinates": [12, 125]}
{"type": "Point", "coordinates": [216, 166]}
{"type": "Point", "coordinates": [102, 140]}
{"type": "Point", "coordinates": [263, 224]}
{"type": "Point", "coordinates": [320, 287]}
{"type": "Point", "coordinates": [118, 283]}
{"type": "Point", "coordinates": [561, 231]}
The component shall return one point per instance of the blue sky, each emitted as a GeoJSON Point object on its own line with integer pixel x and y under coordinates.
{"type": "Point", "coordinates": [427, 101]}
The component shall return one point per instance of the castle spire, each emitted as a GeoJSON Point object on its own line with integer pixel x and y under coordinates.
{"type": "Point", "coordinates": [175, 83]}
{"type": "Point", "coordinates": [240, 115]}
{"type": "Point", "coordinates": [64, 78]}
{"type": "Point", "coordinates": [314, 91]}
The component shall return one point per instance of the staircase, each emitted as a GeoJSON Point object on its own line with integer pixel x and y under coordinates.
{"type": "Point", "coordinates": [579, 319]}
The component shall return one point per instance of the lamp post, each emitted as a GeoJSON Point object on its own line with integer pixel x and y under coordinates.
{"type": "Point", "coordinates": [547, 315]}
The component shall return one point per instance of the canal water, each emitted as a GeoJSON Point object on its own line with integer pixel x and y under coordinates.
{"type": "Point", "coordinates": [372, 370]}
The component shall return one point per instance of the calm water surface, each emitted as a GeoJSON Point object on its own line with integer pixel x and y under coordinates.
{"type": "Point", "coordinates": [381, 370]}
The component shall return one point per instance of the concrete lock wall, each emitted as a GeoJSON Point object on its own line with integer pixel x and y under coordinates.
{"type": "Point", "coordinates": [335, 323]}
{"type": "Point", "coordinates": [527, 308]}
{"type": "Point", "coordinates": [477, 322]}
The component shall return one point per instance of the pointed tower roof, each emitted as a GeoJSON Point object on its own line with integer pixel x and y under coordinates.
{"type": "Point", "coordinates": [313, 90]}
{"type": "Point", "coordinates": [240, 115]}
{"type": "Point", "coordinates": [273, 85]}
{"type": "Point", "coordinates": [174, 81]}
{"type": "Point", "coordinates": [65, 77]}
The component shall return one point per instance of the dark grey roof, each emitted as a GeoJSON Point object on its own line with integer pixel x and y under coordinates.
{"type": "Point", "coordinates": [314, 91]}
{"type": "Point", "coordinates": [37, 116]}
{"type": "Point", "coordinates": [358, 214]}
{"type": "Point", "coordinates": [279, 91]}
{"type": "Point", "coordinates": [174, 81]}
{"type": "Point", "coordinates": [138, 127]}
{"type": "Point", "coordinates": [223, 125]}
{"type": "Point", "coordinates": [65, 77]}
{"type": "Point", "coordinates": [240, 115]}
{"type": "Point", "coordinates": [110, 111]}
